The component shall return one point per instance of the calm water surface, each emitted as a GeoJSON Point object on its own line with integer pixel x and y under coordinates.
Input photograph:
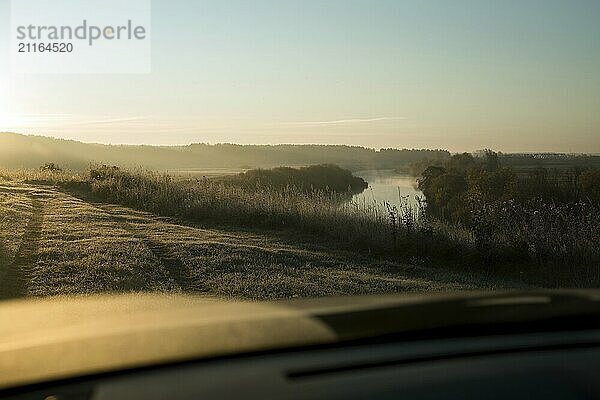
{"type": "Point", "coordinates": [386, 185]}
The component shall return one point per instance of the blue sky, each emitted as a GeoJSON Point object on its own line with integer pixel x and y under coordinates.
{"type": "Point", "coordinates": [462, 75]}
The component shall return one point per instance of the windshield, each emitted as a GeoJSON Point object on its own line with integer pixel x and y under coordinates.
{"type": "Point", "coordinates": [267, 150]}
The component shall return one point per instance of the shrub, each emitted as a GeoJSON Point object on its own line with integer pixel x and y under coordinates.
{"type": "Point", "coordinates": [317, 177]}
{"type": "Point", "coordinates": [50, 167]}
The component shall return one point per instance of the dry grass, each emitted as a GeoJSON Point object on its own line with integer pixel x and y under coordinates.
{"type": "Point", "coordinates": [217, 202]}
{"type": "Point", "coordinates": [65, 244]}
{"type": "Point", "coordinates": [266, 242]}
{"type": "Point", "coordinates": [545, 243]}
{"type": "Point", "coordinates": [15, 208]}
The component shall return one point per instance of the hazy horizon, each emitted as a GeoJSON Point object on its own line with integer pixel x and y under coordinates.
{"type": "Point", "coordinates": [512, 76]}
{"type": "Point", "coordinates": [590, 153]}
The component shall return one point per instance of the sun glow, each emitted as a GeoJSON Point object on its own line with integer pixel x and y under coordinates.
{"type": "Point", "coordinates": [10, 122]}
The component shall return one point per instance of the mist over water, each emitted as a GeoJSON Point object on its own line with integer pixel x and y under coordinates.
{"type": "Point", "coordinates": [387, 185]}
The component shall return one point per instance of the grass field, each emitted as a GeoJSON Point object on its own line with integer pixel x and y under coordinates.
{"type": "Point", "coordinates": [56, 242]}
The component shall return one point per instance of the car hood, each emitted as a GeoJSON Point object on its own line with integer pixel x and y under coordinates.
{"type": "Point", "coordinates": [51, 339]}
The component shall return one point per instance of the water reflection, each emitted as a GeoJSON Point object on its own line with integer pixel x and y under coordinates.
{"type": "Point", "coordinates": [387, 185]}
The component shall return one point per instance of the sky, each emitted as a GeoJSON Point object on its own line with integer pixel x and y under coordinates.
{"type": "Point", "coordinates": [461, 75]}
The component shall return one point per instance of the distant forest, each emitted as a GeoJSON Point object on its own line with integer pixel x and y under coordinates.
{"type": "Point", "coordinates": [21, 151]}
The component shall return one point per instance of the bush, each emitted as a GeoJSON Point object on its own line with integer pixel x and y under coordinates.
{"type": "Point", "coordinates": [50, 167]}
{"type": "Point", "coordinates": [534, 222]}
{"type": "Point", "coordinates": [307, 179]}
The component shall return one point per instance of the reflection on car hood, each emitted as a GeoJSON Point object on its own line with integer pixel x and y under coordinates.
{"type": "Point", "coordinates": [43, 340]}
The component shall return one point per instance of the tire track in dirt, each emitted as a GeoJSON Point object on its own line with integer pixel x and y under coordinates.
{"type": "Point", "coordinates": [14, 279]}
{"type": "Point", "coordinates": [173, 264]}
{"type": "Point", "coordinates": [165, 255]}
{"type": "Point", "coordinates": [167, 258]}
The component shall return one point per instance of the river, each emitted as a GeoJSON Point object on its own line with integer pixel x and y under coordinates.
{"type": "Point", "coordinates": [387, 185]}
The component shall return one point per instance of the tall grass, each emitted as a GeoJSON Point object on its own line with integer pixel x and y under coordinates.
{"type": "Point", "coordinates": [4, 258]}
{"type": "Point", "coordinates": [559, 242]}
{"type": "Point", "coordinates": [42, 176]}
{"type": "Point", "coordinates": [317, 211]}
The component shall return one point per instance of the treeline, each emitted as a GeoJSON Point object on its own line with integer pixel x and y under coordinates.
{"type": "Point", "coordinates": [351, 157]}
{"type": "Point", "coordinates": [549, 161]}
{"type": "Point", "coordinates": [463, 183]}
{"type": "Point", "coordinates": [543, 221]}
{"type": "Point", "coordinates": [552, 163]}
{"type": "Point", "coordinates": [20, 151]}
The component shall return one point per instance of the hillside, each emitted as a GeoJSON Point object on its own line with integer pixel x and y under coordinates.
{"type": "Point", "coordinates": [21, 151]}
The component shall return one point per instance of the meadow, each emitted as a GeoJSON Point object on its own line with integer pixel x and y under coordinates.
{"type": "Point", "coordinates": [542, 230]}
{"type": "Point", "coordinates": [284, 233]}
{"type": "Point", "coordinates": [72, 233]}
